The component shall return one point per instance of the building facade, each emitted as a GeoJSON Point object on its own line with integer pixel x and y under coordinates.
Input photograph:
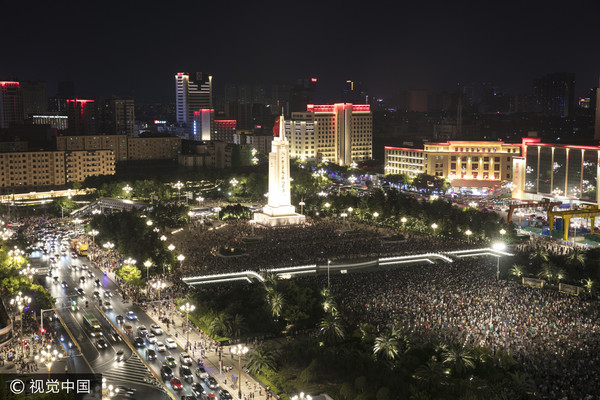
{"type": "Point", "coordinates": [11, 104]}
{"type": "Point", "coordinates": [83, 163]}
{"type": "Point", "coordinates": [56, 121]}
{"type": "Point", "coordinates": [403, 160]}
{"type": "Point", "coordinates": [116, 117]}
{"type": "Point", "coordinates": [340, 133]}
{"type": "Point", "coordinates": [203, 125]}
{"type": "Point", "coordinates": [81, 116]}
{"type": "Point", "coordinates": [567, 173]}
{"type": "Point", "coordinates": [554, 94]}
{"type": "Point", "coordinates": [32, 169]}
{"type": "Point", "coordinates": [116, 143]}
{"type": "Point", "coordinates": [160, 148]}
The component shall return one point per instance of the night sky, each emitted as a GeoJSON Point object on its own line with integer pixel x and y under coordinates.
{"type": "Point", "coordinates": [133, 48]}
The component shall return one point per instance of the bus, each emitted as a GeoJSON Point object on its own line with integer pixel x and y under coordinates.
{"type": "Point", "coordinates": [92, 325]}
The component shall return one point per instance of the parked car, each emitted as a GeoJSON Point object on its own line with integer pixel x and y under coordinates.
{"type": "Point", "coordinates": [139, 342]}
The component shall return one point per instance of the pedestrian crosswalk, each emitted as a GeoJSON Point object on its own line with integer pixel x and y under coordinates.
{"type": "Point", "coordinates": [133, 370]}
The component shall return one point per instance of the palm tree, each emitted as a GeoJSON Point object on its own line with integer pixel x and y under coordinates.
{"type": "Point", "coordinates": [277, 301]}
{"type": "Point", "coordinates": [560, 274]}
{"type": "Point", "coordinates": [220, 324]}
{"type": "Point", "coordinates": [589, 285]}
{"type": "Point", "coordinates": [459, 358]}
{"type": "Point", "coordinates": [402, 338]}
{"type": "Point", "coordinates": [329, 303]}
{"type": "Point", "coordinates": [576, 258]}
{"type": "Point", "coordinates": [332, 328]}
{"type": "Point", "coordinates": [522, 382]}
{"type": "Point", "coordinates": [539, 255]}
{"type": "Point", "coordinates": [261, 358]}
{"type": "Point", "coordinates": [237, 325]}
{"type": "Point", "coordinates": [547, 272]}
{"type": "Point", "coordinates": [386, 345]}
{"type": "Point", "coordinates": [517, 270]}
{"type": "Point", "coordinates": [431, 374]}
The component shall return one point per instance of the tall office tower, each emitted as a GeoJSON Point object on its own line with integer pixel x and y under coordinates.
{"type": "Point", "coordinates": [554, 94]}
{"type": "Point", "coordinates": [203, 124]}
{"type": "Point", "coordinates": [341, 133]}
{"type": "Point", "coordinates": [300, 97]}
{"type": "Point", "coordinates": [82, 117]}
{"type": "Point", "coordinates": [355, 93]}
{"type": "Point", "coordinates": [34, 97]}
{"type": "Point", "coordinates": [193, 93]}
{"type": "Point", "coordinates": [115, 117]}
{"type": "Point", "coordinates": [58, 103]}
{"type": "Point", "coordinates": [224, 130]}
{"type": "Point", "coordinates": [11, 104]}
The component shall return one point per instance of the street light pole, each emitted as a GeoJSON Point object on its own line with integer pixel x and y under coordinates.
{"type": "Point", "coordinates": [498, 247]}
{"type": "Point", "coordinates": [147, 264]}
{"type": "Point", "coordinates": [239, 350]}
{"type": "Point", "coordinates": [94, 232]}
{"type": "Point", "coordinates": [187, 308]}
{"type": "Point", "coordinates": [20, 302]}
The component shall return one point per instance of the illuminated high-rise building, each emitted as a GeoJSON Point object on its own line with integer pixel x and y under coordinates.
{"type": "Point", "coordinates": [11, 104]}
{"type": "Point", "coordinates": [34, 97]}
{"type": "Point", "coordinates": [203, 124]}
{"type": "Point", "coordinates": [340, 133]}
{"type": "Point", "coordinates": [193, 92]}
{"type": "Point", "coordinates": [82, 117]}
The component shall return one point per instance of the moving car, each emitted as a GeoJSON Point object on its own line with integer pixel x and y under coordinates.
{"type": "Point", "coordinates": [80, 291]}
{"type": "Point", "coordinates": [150, 355]}
{"type": "Point", "coordinates": [151, 338]}
{"type": "Point", "coordinates": [225, 395]}
{"type": "Point", "coordinates": [198, 391]}
{"type": "Point", "coordinates": [120, 355]}
{"type": "Point", "coordinates": [156, 330]}
{"type": "Point", "coordinates": [119, 319]}
{"type": "Point", "coordinates": [170, 361]}
{"type": "Point", "coordinates": [64, 284]}
{"type": "Point", "coordinates": [211, 382]}
{"type": "Point", "coordinates": [160, 347]}
{"type": "Point", "coordinates": [186, 373]}
{"type": "Point", "coordinates": [176, 384]}
{"type": "Point", "coordinates": [96, 295]}
{"type": "Point", "coordinates": [185, 359]}
{"type": "Point", "coordinates": [139, 342]}
{"type": "Point", "coordinates": [126, 390]}
{"type": "Point", "coordinates": [142, 331]}
{"type": "Point", "coordinates": [166, 372]}
{"type": "Point", "coordinates": [107, 294]}
{"type": "Point", "coordinates": [101, 343]}
{"type": "Point", "coordinates": [130, 315]}
{"type": "Point", "coordinates": [170, 343]}
{"type": "Point", "coordinates": [106, 306]}
{"type": "Point", "coordinates": [201, 372]}
{"type": "Point", "coordinates": [97, 282]}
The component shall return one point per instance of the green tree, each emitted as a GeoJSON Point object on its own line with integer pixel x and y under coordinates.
{"type": "Point", "coordinates": [459, 358]}
{"type": "Point", "coordinates": [262, 358]}
{"type": "Point", "coordinates": [576, 258]}
{"type": "Point", "coordinates": [237, 325]}
{"type": "Point", "coordinates": [589, 285]}
{"type": "Point", "coordinates": [310, 373]}
{"type": "Point", "coordinates": [539, 256]}
{"type": "Point", "coordinates": [332, 328]}
{"type": "Point", "coordinates": [130, 274]}
{"type": "Point", "coordinates": [386, 345]}
{"type": "Point", "coordinates": [220, 324]}
{"type": "Point", "coordinates": [277, 301]}
{"type": "Point", "coordinates": [384, 394]}
{"type": "Point", "coordinates": [517, 270]}
{"type": "Point", "coordinates": [347, 391]}
{"type": "Point", "coordinates": [522, 382]}
{"type": "Point", "coordinates": [431, 374]}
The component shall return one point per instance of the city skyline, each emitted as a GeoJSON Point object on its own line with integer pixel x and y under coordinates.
{"type": "Point", "coordinates": [134, 52]}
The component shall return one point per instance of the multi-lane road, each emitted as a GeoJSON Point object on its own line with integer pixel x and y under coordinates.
{"type": "Point", "coordinates": [134, 370]}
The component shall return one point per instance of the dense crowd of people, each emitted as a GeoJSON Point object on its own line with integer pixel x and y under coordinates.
{"type": "Point", "coordinates": [316, 242]}
{"type": "Point", "coordinates": [555, 335]}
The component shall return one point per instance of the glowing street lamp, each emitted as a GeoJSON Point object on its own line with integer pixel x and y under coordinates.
{"type": "Point", "coordinates": [468, 233]}
{"type": "Point", "coordinates": [200, 200]}
{"type": "Point", "coordinates": [171, 247]}
{"type": "Point", "coordinates": [149, 222]}
{"type": "Point", "coordinates": [302, 396]}
{"type": "Point", "coordinates": [239, 351]}
{"type": "Point", "coordinates": [375, 214]}
{"type": "Point", "coordinates": [163, 238]}
{"type": "Point", "coordinates": [179, 185]}
{"type": "Point", "coordinates": [498, 247]}
{"type": "Point", "coordinates": [130, 261]}
{"type": "Point", "coordinates": [147, 264]}
{"type": "Point", "coordinates": [180, 258]}
{"type": "Point", "coordinates": [93, 234]}
{"type": "Point", "coordinates": [352, 179]}
{"type": "Point", "coordinates": [20, 302]}
{"type": "Point", "coordinates": [502, 232]}
{"type": "Point", "coordinates": [108, 246]}
{"type": "Point", "coordinates": [127, 189]}
{"type": "Point", "coordinates": [403, 220]}
{"type": "Point", "coordinates": [434, 226]}
{"type": "Point", "coordinates": [302, 204]}
{"type": "Point", "coordinates": [158, 285]}
{"type": "Point", "coordinates": [76, 223]}
{"type": "Point", "coordinates": [48, 356]}
{"type": "Point", "coordinates": [187, 308]}
{"type": "Point", "coordinates": [28, 271]}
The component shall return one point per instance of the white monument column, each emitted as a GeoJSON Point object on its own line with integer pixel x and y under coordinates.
{"type": "Point", "coordinates": [279, 209]}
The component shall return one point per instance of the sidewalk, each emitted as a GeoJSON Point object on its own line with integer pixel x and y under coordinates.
{"type": "Point", "coordinates": [250, 386]}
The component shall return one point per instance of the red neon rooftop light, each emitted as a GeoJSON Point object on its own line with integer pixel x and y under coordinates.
{"type": "Point", "coordinates": [9, 83]}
